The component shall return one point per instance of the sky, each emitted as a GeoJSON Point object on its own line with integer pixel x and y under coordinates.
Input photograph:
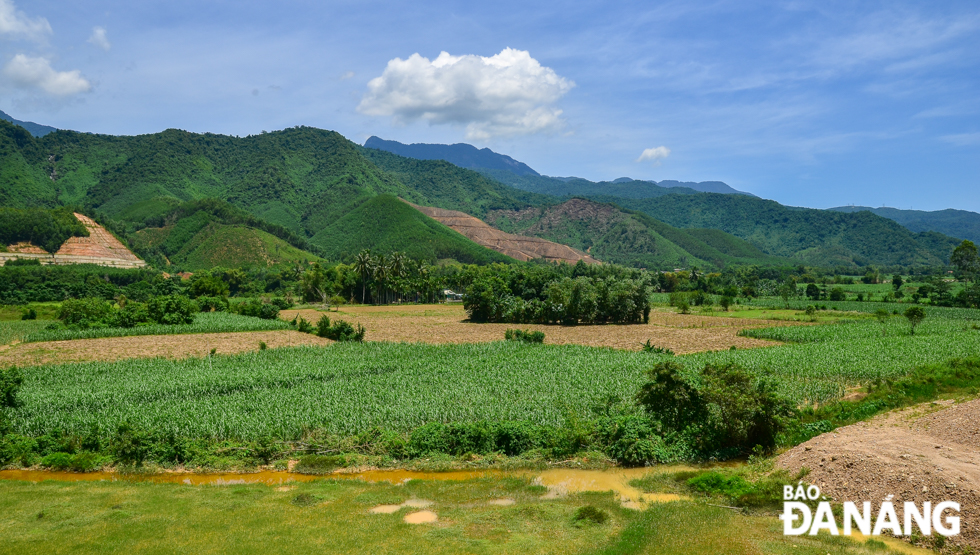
{"type": "Point", "coordinates": [809, 103]}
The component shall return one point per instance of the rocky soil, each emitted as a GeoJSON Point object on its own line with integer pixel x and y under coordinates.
{"type": "Point", "coordinates": [924, 453]}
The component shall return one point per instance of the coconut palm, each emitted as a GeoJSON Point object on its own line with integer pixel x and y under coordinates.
{"type": "Point", "coordinates": [363, 264]}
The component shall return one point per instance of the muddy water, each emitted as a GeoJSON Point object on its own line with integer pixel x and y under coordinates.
{"type": "Point", "coordinates": [560, 482]}
{"type": "Point", "coordinates": [421, 517]}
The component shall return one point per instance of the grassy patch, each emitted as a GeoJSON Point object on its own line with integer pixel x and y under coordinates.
{"type": "Point", "coordinates": [205, 322]}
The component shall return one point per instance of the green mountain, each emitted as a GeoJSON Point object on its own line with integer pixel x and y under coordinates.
{"type": "Point", "coordinates": [35, 129]}
{"type": "Point", "coordinates": [810, 236]}
{"type": "Point", "coordinates": [955, 223]}
{"type": "Point", "coordinates": [631, 238]}
{"type": "Point", "coordinates": [461, 154]}
{"type": "Point", "coordinates": [314, 189]}
{"type": "Point", "coordinates": [312, 183]}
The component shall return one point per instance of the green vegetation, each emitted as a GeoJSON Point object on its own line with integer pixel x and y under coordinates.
{"type": "Point", "coordinates": [385, 223]}
{"type": "Point", "coordinates": [590, 295]}
{"type": "Point", "coordinates": [340, 330]}
{"type": "Point", "coordinates": [48, 229]}
{"type": "Point", "coordinates": [209, 322]}
{"type": "Point", "coordinates": [524, 336]}
{"type": "Point", "coordinates": [816, 237]}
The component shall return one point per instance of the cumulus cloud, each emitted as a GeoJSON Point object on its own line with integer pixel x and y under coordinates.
{"type": "Point", "coordinates": [507, 94]}
{"type": "Point", "coordinates": [14, 23]}
{"type": "Point", "coordinates": [655, 154]}
{"type": "Point", "coordinates": [29, 73]}
{"type": "Point", "coordinates": [99, 38]}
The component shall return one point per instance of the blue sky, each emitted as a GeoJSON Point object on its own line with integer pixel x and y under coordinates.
{"type": "Point", "coordinates": [808, 103]}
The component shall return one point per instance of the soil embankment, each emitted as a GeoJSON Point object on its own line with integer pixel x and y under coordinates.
{"type": "Point", "coordinates": [924, 453]}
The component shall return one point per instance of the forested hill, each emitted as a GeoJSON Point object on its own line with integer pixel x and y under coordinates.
{"type": "Point", "coordinates": [35, 129]}
{"type": "Point", "coordinates": [461, 154]}
{"type": "Point", "coordinates": [317, 185]}
{"type": "Point", "coordinates": [817, 237]}
{"type": "Point", "coordinates": [955, 223]}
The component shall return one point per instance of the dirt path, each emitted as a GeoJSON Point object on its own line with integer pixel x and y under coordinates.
{"type": "Point", "coordinates": [924, 453]}
{"type": "Point", "coordinates": [682, 333]}
{"type": "Point", "coordinates": [148, 346]}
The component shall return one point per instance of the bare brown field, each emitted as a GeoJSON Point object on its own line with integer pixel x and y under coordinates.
{"type": "Point", "coordinates": [682, 333]}
{"type": "Point", "coordinates": [150, 346]}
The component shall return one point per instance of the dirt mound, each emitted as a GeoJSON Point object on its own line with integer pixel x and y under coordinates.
{"type": "Point", "coordinates": [515, 246]}
{"type": "Point", "coordinates": [100, 247]}
{"type": "Point", "coordinates": [924, 453]}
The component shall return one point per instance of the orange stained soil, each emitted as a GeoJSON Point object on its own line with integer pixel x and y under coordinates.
{"type": "Point", "coordinates": [445, 323]}
{"type": "Point", "coordinates": [421, 517]}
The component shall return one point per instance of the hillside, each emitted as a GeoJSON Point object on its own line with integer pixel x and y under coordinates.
{"type": "Point", "coordinates": [810, 236]}
{"type": "Point", "coordinates": [615, 235]}
{"type": "Point", "coordinates": [954, 223]}
{"type": "Point", "coordinates": [461, 154]}
{"type": "Point", "coordinates": [385, 223]}
{"type": "Point", "coordinates": [35, 129]}
{"type": "Point", "coordinates": [518, 247]}
{"type": "Point", "coordinates": [95, 246]}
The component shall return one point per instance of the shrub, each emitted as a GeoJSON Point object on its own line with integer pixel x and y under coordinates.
{"type": "Point", "coordinates": [726, 302]}
{"type": "Point", "coordinates": [321, 464]}
{"type": "Point", "coordinates": [340, 331]}
{"type": "Point", "coordinates": [212, 304]}
{"type": "Point", "coordinates": [524, 336]}
{"type": "Point", "coordinates": [731, 410]}
{"type": "Point", "coordinates": [10, 381]}
{"type": "Point", "coordinates": [172, 310]}
{"type": "Point", "coordinates": [28, 314]}
{"type": "Point", "coordinates": [257, 309]}
{"type": "Point", "coordinates": [281, 303]}
{"type": "Point", "coordinates": [131, 315]}
{"type": "Point", "coordinates": [84, 313]}
{"type": "Point", "coordinates": [130, 445]}
{"type": "Point", "coordinates": [631, 440]}
{"type": "Point", "coordinates": [649, 347]}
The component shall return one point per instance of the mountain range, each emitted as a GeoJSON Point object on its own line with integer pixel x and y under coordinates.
{"type": "Point", "coordinates": [314, 191]}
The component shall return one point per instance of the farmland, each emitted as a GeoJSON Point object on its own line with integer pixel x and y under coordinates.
{"type": "Point", "coordinates": [350, 388]}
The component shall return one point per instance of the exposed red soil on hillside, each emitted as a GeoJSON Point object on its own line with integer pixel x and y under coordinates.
{"type": "Point", "coordinates": [519, 247]}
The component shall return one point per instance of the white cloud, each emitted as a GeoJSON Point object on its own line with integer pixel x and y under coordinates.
{"type": "Point", "coordinates": [507, 94]}
{"type": "Point", "coordinates": [16, 24]}
{"type": "Point", "coordinates": [347, 76]}
{"type": "Point", "coordinates": [27, 72]}
{"type": "Point", "coordinates": [962, 139]}
{"type": "Point", "coordinates": [656, 154]}
{"type": "Point", "coordinates": [99, 38]}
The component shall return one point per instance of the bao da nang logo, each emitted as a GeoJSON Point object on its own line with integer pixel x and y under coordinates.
{"type": "Point", "coordinates": [798, 519]}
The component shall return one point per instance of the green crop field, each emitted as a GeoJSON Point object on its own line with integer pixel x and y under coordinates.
{"type": "Point", "coordinates": [205, 322]}
{"type": "Point", "coordinates": [350, 388]}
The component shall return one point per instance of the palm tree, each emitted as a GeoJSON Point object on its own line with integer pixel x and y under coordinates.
{"type": "Point", "coordinates": [363, 264]}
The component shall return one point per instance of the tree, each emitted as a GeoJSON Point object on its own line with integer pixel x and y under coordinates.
{"type": "Point", "coordinates": [915, 315]}
{"type": "Point", "coordinates": [966, 259]}
{"type": "Point", "coordinates": [897, 282]}
{"type": "Point", "coordinates": [813, 291]}
{"type": "Point", "coordinates": [362, 265]}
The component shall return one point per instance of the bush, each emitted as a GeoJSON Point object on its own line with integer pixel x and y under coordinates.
{"type": "Point", "coordinates": [630, 440]}
{"type": "Point", "coordinates": [28, 314]}
{"type": "Point", "coordinates": [79, 462]}
{"type": "Point", "coordinates": [132, 315]}
{"type": "Point", "coordinates": [341, 331]}
{"type": "Point", "coordinates": [256, 309]}
{"type": "Point", "coordinates": [524, 336]}
{"type": "Point", "coordinates": [10, 381]}
{"type": "Point", "coordinates": [649, 347]}
{"type": "Point", "coordinates": [84, 313]}
{"type": "Point", "coordinates": [732, 410]}
{"type": "Point", "coordinates": [130, 445]}
{"type": "Point", "coordinates": [281, 303]}
{"type": "Point", "coordinates": [212, 304]}
{"type": "Point", "coordinates": [172, 310]}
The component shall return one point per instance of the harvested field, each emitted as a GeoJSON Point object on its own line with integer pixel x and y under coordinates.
{"type": "Point", "coordinates": [150, 346]}
{"type": "Point", "coordinates": [923, 453]}
{"type": "Point", "coordinates": [683, 333]}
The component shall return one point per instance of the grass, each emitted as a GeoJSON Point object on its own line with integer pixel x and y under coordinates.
{"type": "Point", "coordinates": [332, 516]}
{"type": "Point", "coordinates": [45, 311]}
{"type": "Point", "coordinates": [205, 322]}
{"type": "Point", "coordinates": [17, 330]}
